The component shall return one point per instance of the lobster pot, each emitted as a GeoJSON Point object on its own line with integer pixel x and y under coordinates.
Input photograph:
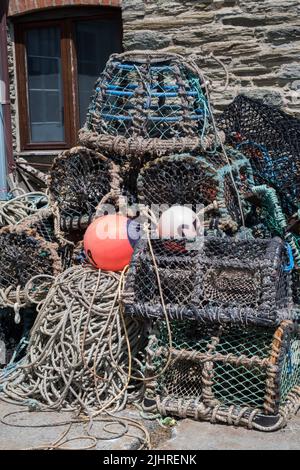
{"type": "Point", "coordinates": [248, 377]}
{"type": "Point", "coordinates": [176, 262]}
{"type": "Point", "coordinates": [270, 139]}
{"type": "Point", "coordinates": [79, 180]}
{"type": "Point", "coordinates": [148, 103]}
{"type": "Point", "coordinates": [42, 222]}
{"type": "Point", "coordinates": [271, 218]}
{"type": "Point", "coordinates": [200, 181]}
{"type": "Point", "coordinates": [219, 280]}
{"type": "Point", "coordinates": [28, 263]}
{"type": "Point", "coordinates": [245, 281]}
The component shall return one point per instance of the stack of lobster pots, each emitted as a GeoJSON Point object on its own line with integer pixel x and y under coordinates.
{"type": "Point", "coordinates": [222, 297]}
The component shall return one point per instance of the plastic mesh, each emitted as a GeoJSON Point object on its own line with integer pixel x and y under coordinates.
{"type": "Point", "coordinates": [79, 180]}
{"type": "Point", "coordinates": [270, 139]}
{"type": "Point", "coordinates": [226, 367]}
{"type": "Point", "coordinates": [223, 280]}
{"type": "Point", "coordinates": [150, 103]}
{"type": "Point", "coordinates": [290, 373]}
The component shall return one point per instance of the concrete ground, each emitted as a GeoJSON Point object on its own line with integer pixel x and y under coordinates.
{"type": "Point", "coordinates": [192, 435]}
{"type": "Point", "coordinates": [46, 427]}
{"type": "Point", "coordinates": [186, 435]}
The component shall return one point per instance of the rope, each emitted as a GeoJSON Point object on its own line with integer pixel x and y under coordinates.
{"type": "Point", "coordinates": [76, 338]}
{"type": "Point", "coordinates": [218, 137]}
{"type": "Point", "coordinates": [15, 210]}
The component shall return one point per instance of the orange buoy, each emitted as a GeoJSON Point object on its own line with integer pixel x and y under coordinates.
{"type": "Point", "coordinates": [109, 242]}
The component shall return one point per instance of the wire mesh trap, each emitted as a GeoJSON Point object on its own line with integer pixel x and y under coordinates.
{"type": "Point", "coordinates": [270, 139]}
{"type": "Point", "coordinates": [248, 377]}
{"type": "Point", "coordinates": [28, 263]}
{"type": "Point", "coordinates": [79, 180]}
{"type": "Point", "coordinates": [78, 351]}
{"type": "Point", "coordinates": [43, 223]}
{"type": "Point", "coordinates": [271, 217]}
{"type": "Point", "coordinates": [148, 103]}
{"type": "Point", "coordinates": [199, 181]}
{"type": "Point", "coordinates": [223, 280]}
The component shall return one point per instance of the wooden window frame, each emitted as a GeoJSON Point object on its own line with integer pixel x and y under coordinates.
{"type": "Point", "coordinates": [67, 27]}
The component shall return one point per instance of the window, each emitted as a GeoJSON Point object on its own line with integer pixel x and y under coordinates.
{"type": "Point", "coordinates": [58, 62]}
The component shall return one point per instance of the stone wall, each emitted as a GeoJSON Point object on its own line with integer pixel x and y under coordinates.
{"type": "Point", "coordinates": [258, 40]}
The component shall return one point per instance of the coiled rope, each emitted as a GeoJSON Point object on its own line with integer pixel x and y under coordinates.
{"type": "Point", "coordinates": [15, 210]}
{"type": "Point", "coordinates": [77, 338]}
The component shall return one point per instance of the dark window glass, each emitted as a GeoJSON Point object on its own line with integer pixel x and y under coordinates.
{"type": "Point", "coordinates": [95, 42]}
{"type": "Point", "coordinates": [45, 94]}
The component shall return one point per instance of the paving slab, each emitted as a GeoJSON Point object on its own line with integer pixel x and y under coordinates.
{"type": "Point", "coordinates": [35, 428]}
{"type": "Point", "coordinates": [193, 435]}
{"type": "Point", "coordinates": [46, 427]}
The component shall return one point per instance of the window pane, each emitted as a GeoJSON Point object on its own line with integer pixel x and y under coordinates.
{"type": "Point", "coordinates": [95, 41]}
{"type": "Point", "coordinates": [45, 85]}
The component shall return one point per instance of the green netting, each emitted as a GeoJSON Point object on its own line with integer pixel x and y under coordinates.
{"type": "Point", "coordinates": [272, 216]}
{"type": "Point", "coordinates": [187, 335]}
{"type": "Point", "coordinates": [290, 374]}
{"type": "Point", "coordinates": [249, 342]}
{"type": "Point", "coordinates": [237, 385]}
{"type": "Point", "coordinates": [251, 368]}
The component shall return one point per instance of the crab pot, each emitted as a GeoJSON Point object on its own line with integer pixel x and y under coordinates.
{"type": "Point", "coordinates": [270, 139]}
{"type": "Point", "coordinates": [148, 103]}
{"type": "Point", "coordinates": [79, 180]}
{"type": "Point", "coordinates": [222, 280]}
{"type": "Point", "coordinates": [200, 181]}
{"type": "Point", "coordinates": [25, 255]}
{"type": "Point", "coordinates": [43, 224]}
{"type": "Point", "coordinates": [271, 218]}
{"type": "Point", "coordinates": [244, 377]}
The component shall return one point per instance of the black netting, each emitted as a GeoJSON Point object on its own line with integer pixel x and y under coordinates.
{"type": "Point", "coordinates": [24, 255]}
{"type": "Point", "coordinates": [200, 181]}
{"type": "Point", "coordinates": [79, 180]}
{"type": "Point", "coordinates": [43, 224]}
{"type": "Point", "coordinates": [270, 139]}
{"type": "Point", "coordinates": [296, 287]}
{"type": "Point", "coordinates": [129, 167]}
{"type": "Point", "coordinates": [224, 280]}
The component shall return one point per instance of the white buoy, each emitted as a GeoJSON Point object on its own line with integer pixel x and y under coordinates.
{"type": "Point", "coordinates": [178, 222]}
